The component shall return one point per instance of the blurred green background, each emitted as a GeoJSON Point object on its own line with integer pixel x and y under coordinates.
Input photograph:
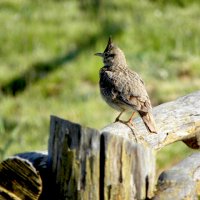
{"type": "Point", "coordinates": [48, 67]}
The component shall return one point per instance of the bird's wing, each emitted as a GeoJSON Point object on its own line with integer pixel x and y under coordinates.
{"type": "Point", "coordinates": [129, 89]}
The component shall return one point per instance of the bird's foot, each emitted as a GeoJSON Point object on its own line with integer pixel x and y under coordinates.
{"type": "Point", "coordinates": [128, 122]}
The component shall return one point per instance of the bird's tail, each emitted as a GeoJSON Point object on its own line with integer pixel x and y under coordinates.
{"type": "Point", "coordinates": [148, 120]}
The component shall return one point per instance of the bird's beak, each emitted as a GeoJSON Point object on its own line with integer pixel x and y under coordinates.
{"type": "Point", "coordinates": [99, 54]}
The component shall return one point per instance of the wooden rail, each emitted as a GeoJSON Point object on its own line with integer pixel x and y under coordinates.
{"type": "Point", "coordinates": [115, 163]}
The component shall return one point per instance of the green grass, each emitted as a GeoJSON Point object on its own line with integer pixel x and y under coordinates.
{"type": "Point", "coordinates": [46, 55]}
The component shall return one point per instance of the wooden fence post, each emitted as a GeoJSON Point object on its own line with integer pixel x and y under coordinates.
{"type": "Point", "coordinates": [74, 160]}
{"type": "Point", "coordinates": [128, 169]}
{"type": "Point", "coordinates": [182, 181]}
{"type": "Point", "coordinates": [88, 165]}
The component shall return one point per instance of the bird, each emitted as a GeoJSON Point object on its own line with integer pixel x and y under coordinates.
{"type": "Point", "coordinates": [122, 88]}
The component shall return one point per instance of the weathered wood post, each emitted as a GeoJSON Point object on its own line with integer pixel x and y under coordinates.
{"type": "Point", "coordinates": [181, 181]}
{"type": "Point", "coordinates": [88, 165]}
{"type": "Point", "coordinates": [128, 168]}
{"type": "Point", "coordinates": [74, 160]}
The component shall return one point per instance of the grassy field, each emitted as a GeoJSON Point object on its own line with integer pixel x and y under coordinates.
{"type": "Point", "coordinates": [47, 65]}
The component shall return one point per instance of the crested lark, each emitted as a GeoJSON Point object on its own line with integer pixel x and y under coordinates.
{"type": "Point", "coordinates": [123, 88]}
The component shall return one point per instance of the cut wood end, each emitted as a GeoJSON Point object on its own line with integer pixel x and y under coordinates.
{"type": "Point", "coordinates": [17, 175]}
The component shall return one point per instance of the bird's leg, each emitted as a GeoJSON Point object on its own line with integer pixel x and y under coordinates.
{"type": "Point", "coordinates": [128, 122]}
{"type": "Point", "coordinates": [130, 119]}
{"type": "Point", "coordinates": [117, 119]}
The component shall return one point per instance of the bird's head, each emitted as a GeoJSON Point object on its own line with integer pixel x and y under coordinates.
{"type": "Point", "coordinates": [112, 55]}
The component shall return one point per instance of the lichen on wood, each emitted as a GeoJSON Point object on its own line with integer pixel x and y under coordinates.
{"type": "Point", "coordinates": [74, 160]}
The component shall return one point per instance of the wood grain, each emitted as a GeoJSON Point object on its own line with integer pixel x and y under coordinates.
{"type": "Point", "coordinates": [19, 180]}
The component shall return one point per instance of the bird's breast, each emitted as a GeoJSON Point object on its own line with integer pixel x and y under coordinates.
{"type": "Point", "coordinates": [108, 91]}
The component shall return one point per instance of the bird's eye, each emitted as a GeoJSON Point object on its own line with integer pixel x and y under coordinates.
{"type": "Point", "coordinates": [106, 54]}
{"type": "Point", "coordinates": [112, 55]}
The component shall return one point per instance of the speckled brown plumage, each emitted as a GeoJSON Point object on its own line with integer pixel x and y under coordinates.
{"type": "Point", "coordinates": [123, 88]}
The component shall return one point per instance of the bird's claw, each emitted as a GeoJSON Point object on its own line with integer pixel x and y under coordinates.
{"type": "Point", "coordinates": [129, 122]}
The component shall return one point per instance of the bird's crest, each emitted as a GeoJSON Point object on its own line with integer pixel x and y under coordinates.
{"type": "Point", "coordinates": [109, 45]}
